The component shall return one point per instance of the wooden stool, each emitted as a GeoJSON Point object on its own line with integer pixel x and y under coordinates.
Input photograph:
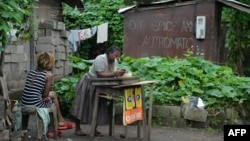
{"type": "Point", "coordinates": [31, 110]}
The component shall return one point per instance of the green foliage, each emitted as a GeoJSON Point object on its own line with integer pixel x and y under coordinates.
{"type": "Point", "coordinates": [65, 88]}
{"type": "Point", "coordinates": [13, 15]}
{"type": "Point", "coordinates": [94, 14]}
{"type": "Point", "coordinates": [65, 91]}
{"type": "Point", "coordinates": [217, 85]}
{"type": "Point", "coordinates": [238, 36]}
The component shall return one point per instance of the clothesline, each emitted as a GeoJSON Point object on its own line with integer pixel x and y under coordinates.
{"type": "Point", "coordinates": [76, 36]}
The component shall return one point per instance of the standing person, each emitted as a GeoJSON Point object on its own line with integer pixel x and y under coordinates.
{"type": "Point", "coordinates": [104, 65]}
{"type": "Point", "coordinates": [37, 91]}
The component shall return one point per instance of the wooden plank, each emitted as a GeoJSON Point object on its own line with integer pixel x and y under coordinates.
{"type": "Point", "coordinates": [114, 78]}
{"type": "Point", "coordinates": [137, 84]}
{"type": "Point", "coordinates": [4, 88]}
{"type": "Point", "coordinates": [114, 81]}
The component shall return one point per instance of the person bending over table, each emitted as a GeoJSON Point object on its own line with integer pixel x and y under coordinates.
{"type": "Point", "coordinates": [104, 66]}
{"type": "Point", "coordinates": [37, 90]}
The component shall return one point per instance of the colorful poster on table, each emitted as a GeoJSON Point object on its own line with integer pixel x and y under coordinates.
{"type": "Point", "coordinates": [132, 108]}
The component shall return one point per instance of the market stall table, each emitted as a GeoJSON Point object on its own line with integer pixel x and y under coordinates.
{"type": "Point", "coordinates": [115, 87]}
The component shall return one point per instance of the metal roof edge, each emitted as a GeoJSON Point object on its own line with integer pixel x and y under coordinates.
{"type": "Point", "coordinates": [230, 3]}
{"type": "Point", "coordinates": [125, 9]}
{"type": "Point", "coordinates": [122, 10]}
{"type": "Point", "coordinates": [236, 5]}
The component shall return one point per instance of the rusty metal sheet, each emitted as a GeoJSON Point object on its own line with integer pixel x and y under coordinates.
{"type": "Point", "coordinates": [170, 31]}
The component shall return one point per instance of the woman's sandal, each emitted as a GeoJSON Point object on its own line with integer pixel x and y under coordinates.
{"type": "Point", "coordinates": [59, 132]}
{"type": "Point", "coordinates": [80, 133]}
{"type": "Point", "coordinates": [51, 135]}
{"type": "Point", "coordinates": [65, 125]}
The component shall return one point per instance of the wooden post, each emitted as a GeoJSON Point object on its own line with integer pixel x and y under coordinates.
{"type": "Point", "coordinates": [150, 111]}
{"type": "Point", "coordinates": [93, 125]}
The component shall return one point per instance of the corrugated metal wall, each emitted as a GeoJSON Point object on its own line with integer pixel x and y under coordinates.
{"type": "Point", "coordinates": [170, 30]}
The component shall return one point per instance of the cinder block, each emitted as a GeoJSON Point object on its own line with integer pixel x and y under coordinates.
{"type": "Point", "coordinates": [55, 33]}
{"type": "Point", "coordinates": [64, 34]}
{"type": "Point", "coordinates": [58, 63]}
{"type": "Point", "coordinates": [16, 58]}
{"type": "Point", "coordinates": [60, 48]}
{"type": "Point", "coordinates": [8, 49]}
{"type": "Point", "coordinates": [14, 67]}
{"type": "Point", "coordinates": [65, 42]}
{"type": "Point", "coordinates": [6, 67]}
{"type": "Point", "coordinates": [195, 114]}
{"type": "Point", "coordinates": [60, 56]}
{"type": "Point", "coordinates": [44, 40]}
{"type": "Point", "coordinates": [23, 66]}
{"type": "Point", "coordinates": [60, 25]}
{"type": "Point", "coordinates": [45, 47]}
{"type": "Point", "coordinates": [48, 40]}
{"type": "Point", "coordinates": [7, 57]}
{"type": "Point", "coordinates": [48, 32]}
{"type": "Point", "coordinates": [20, 49]}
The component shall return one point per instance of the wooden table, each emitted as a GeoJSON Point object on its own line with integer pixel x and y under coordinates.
{"type": "Point", "coordinates": [109, 86]}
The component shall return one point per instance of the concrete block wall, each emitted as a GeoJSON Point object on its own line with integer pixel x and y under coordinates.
{"type": "Point", "coordinates": [54, 39]}
{"type": "Point", "coordinates": [15, 66]}
{"type": "Point", "coordinates": [17, 61]}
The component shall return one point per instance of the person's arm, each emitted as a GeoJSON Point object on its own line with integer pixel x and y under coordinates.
{"type": "Point", "coordinates": [48, 81]}
{"type": "Point", "coordinates": [111, 74]}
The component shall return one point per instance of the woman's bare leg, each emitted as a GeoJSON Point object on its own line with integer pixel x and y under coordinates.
{"type": "Point", "coordinates": [78, 130]}
{"type": "Point", "coordinates": [53, 96]}
{"type": "Point", "coordinates": [78, 124]}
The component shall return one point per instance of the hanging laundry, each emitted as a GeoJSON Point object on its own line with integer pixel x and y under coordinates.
{"type": "Point", "coordinates": [102, 33]}
{"type": "Point", "coordinates": [86, 33]}
{"type": "Point", "coordinates": [76, 36]}
{"type": "Point", "coordinates": [73, 40]}
{"type": "Point", "coordinates": [93, 30]}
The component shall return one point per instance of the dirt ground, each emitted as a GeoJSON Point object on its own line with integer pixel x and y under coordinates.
{"type": "Point", "coordinates": [157, 134]}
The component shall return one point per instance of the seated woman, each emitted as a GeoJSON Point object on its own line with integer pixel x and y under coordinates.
{"type": "Point", "coordinates": [37, 90]}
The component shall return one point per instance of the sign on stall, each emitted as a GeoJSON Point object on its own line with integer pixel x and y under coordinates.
{"type": "Point", "coordinates": [132, 107]}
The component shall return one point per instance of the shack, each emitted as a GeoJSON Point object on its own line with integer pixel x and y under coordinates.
{"type": "Point", "coordinates": [170, 28]}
